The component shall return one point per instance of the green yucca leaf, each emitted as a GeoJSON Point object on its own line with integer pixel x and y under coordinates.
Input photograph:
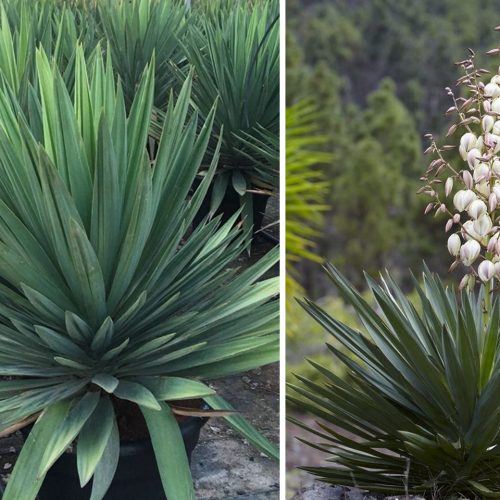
{"type": "Point", "coordinates": [104, 287]}
{"type": "Point", "coordinates": [422, 412]}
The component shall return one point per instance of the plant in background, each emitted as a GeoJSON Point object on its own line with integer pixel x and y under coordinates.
{"type": "Point", "coordinates": [58, 28]}
{"type": "Point", "coordinates": [104, 295]}
{"type": "Point", "coordinates": [418, 409]}
{"type": "Point", "coordinates": [305, 188]}
{"type": "Point", "coordinates": [138, 29]}
{"type": "Point", "coordinates": [235, 52]}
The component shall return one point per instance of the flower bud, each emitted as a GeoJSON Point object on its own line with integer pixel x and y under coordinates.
{"type": "Point", "coordinates": [482, 226]}
{"type": "Point", "coordinates": [492, 202]}
{"type": "Point", "coordinates": [463, 282]}
{"type": "Point", "coordinates": [468, 180]}
{"type": "Point", "coordinates": [491, 90]}
{"type": "Point", "coordinates": [456, 218]}
{"type": "Point", "coordinates": [463, 199]}
{"type": "Point", "coordinates": [477, 208]}
{"type": "Point", "coordinates": [496, 190]}
{"type": "Point", "coordinates": [486, 271]}
{"type": "Point", "coordinates": [487, 123]}
{"type": "Point", "coordinates": [468, 141]}
{"type": "Point", "coordinates": [496, 167]}
{"type": "Point", "coordinates": [449, 225]}
{"type": "Point", "coordinates": [481, 172]}
{"type": "Point", "coordinates": [473, 157]}
{"type": "Point", "coordinates": [468, 231]}
{"type": "Point", "coordinates": [483, 188]}
{"type": "Point", "coordinates": [494, 141]}
{"type": "Point", "coordinates": [495, 105]}
{"type": "Point", "coordinates": [448, 186]}
{"type": "Point", "coordinates": [492, 244]}
{"type": "Point", "coordinates": [487, 106]}
{"type": "Point", "coordinates": [469, 252]}
{"type": "Point", "coordinates": [454, 244]}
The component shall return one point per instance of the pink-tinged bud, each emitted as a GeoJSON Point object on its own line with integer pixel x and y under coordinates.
{"type": "Point", "coordinates": [469, 252]}
{"type": "Point", "coordinates": [454, 244]}
{"type": "Point", "coordinates": [456, 218]}
{"type": "Point", "coordinates": [428, 208]}
{"type": "Point", "coordinates": [482, 173]}
{"type": "Point", "coordinates": [492, 202]}
{"type": "Point", "coordinates": [468, 141]}
{"type": "Point", "coordinates": [463, 199]}
{"type": "Point", "coordinates": [487, 123]}
{"type": "Point", "coordinates": [468, 281]}
{"type": "Point", "coordinates": [482, 226]}
{"type": "Point", "coordinates": [448, 186]}
{"type": "Point", "coordinates": [449, 225]}
{"type": "Point", "coordinates": [492, 244]}
{"type": "Point", "coordinates": [491, 90]}
{"type": "Point", "coordinates": [473, 157]}
{"type": "Point", "coordinates": [477, 208]}
{"type": "Point", "coordinates": [463, 282]}
{"type": "Point", "coordinates": [468, 180]}
{"type": "Point", "coordinates": [487, 105]}
{"type": "Point", "coordinates": [486, 271]}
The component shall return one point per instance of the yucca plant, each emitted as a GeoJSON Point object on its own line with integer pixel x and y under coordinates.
{"type": "Point", "coordinates": [418, 410]}
{"type": "Point", "coordinates": [105, 295]}
{"type": "Point", "coordinates": [235, 51]}
{"type": "Point", "coordinates": [138, 29]}
{"type": "Point", "coordinates": [57, 27]}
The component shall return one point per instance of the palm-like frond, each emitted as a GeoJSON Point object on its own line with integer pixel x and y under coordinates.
{"type": "Point", "coordinates": [305, 191]}
{"type": "Point", "coordinates": [103, 291]}
{"type": "Point", "coordinates": [418, 411]}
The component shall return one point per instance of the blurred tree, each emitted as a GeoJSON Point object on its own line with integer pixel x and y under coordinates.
{"type": "Point", "coordinates": [341, 53]}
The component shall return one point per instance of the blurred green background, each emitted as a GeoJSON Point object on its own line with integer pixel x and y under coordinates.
{"type": "Point", "coordinates": [376, 71]}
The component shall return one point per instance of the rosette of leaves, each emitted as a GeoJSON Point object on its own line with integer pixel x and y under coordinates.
{"type": "Point", "coordinates": [235, 52]}
{"type": "Point", "coordinates": [57, 27]}
{"type": "Point", "coordinates": [418, 409]}
{"type": "Point", "coordinates": [104, 294]}
{"type": "Point", "coordinates": [138, 29]}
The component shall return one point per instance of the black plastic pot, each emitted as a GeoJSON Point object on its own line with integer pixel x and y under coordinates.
{"type": "Point", "coordinates": [231, 204]}
{"type": "Point", "coordinates": [136, 477]}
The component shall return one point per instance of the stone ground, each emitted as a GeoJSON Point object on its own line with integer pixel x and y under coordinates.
{"type": "Point", "coordinates": [302, 486]}
{"type": "Point", "coordinates": [225, 466]}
